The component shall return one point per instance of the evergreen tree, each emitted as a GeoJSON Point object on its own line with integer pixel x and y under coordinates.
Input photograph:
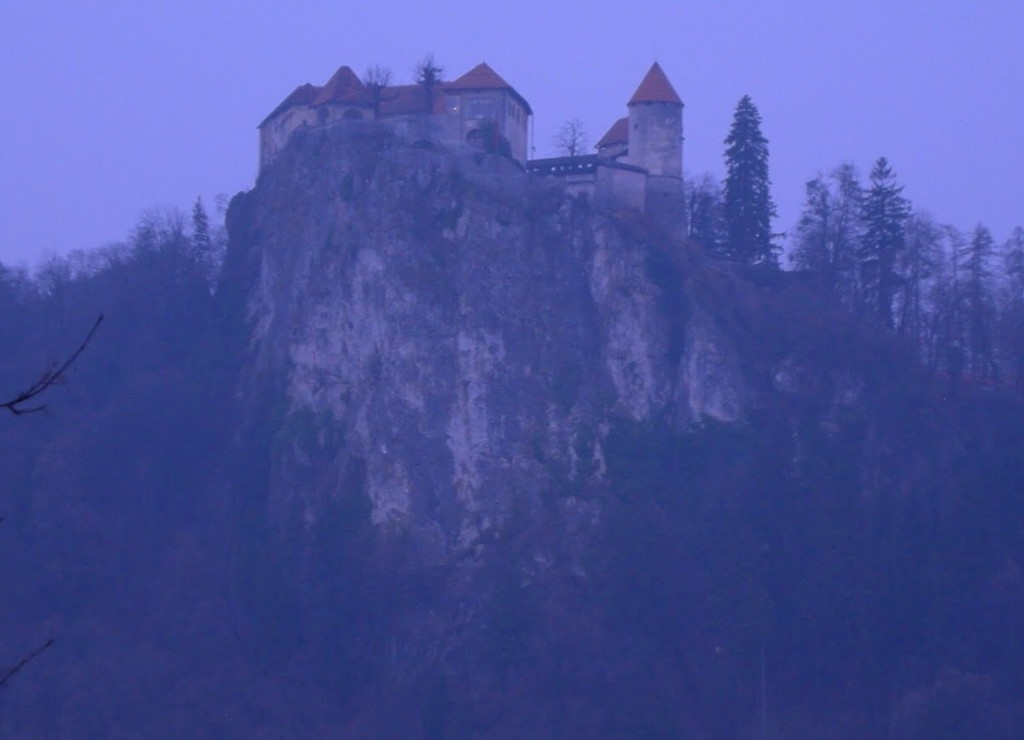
{"type": "Point", "coordinates": [428, 75]}
{"type": "Point", "coordinates": [828, 230]}
{"type": "Point", "coordinates": [201, 242]}
{"type": "Point", "coordinates": [1013, 308]}
{"type": "Point", "coordinates": [884, 214]}
{"type": "Point", "coordinates": [814, 230]}
{"type": "Point", "coordinates": [207, 245]}
{"type": "Point", "coordinates": [748, 208]}
{"type": "Point", "coordinates": [976, 257]}
{"type": "Point", "coordinates": [848, 197]}
{"type": "Point", "coordinates": [1013, 259]}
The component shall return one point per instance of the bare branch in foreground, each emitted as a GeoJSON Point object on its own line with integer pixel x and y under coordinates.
{"type": "Point", "coordinates": [19, 405]}
{"type": "Point", "coordinates": [9, 673]}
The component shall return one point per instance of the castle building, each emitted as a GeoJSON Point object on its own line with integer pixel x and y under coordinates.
{"type": "Point", "coordinates": [654, 135]}
{"type": "Point", "coordinates": [451, 113]}
{"type": "Point", "coordinates": [639, 161]}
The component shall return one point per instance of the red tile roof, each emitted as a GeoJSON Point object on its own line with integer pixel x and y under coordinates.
{"type": "Point", "coordinates": [482, 77]}
{"type": "Point", "coordinates": [346, 87]}
{"type": "Point", "coordinates": [398, 100]}
{"type": "Point", "coordinates": [655, 88]}
{"type": "Point", "coordinates": [617, 134]}
{"type": "Point", "coordinates": [302, 95]}
{"type": "Point", "coordinates": [343, 87]}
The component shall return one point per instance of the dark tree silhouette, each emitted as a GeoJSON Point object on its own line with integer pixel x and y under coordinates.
{"type": "Point", "coordinates": [704, 212]}
{"type": "Point", "coordinates": [13, 670]}
{"type": "Point", "coordinates": [885, 214]}
{"type": "Point", "coordinates": [428, 75]}
{"type": "Point", "coordinates": [29, 401]}
{"type": "Point", "coordinates": [828, 230]}
{"type": "Point", "coordinates": [748, 207]}
{"type": "Point", "coordinates": [1013, 306]}
{"type": "Point", "coordinates": [976, 257]}
{"type": "Point", "coordinates": [918, 267]}
{"type": "Point", "coordinates": [571, 139]}
{"type": "Point", "coordinates": [376, 79]}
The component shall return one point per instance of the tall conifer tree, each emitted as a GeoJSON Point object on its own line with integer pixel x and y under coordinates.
{"type": "Point", "coordinates": [885, 214]}
{"type": "Point", "coordinates": [976, 258]}
{"type": "Point", "coordinates": [1013, 338]}
{"type": "Point", "coordinates": [748, 207]}
{"type": "Point", "coordinates": [201, 242]}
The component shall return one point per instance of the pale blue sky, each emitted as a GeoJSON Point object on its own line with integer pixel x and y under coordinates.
{"type": "Point", "coordinates": [111, 108]}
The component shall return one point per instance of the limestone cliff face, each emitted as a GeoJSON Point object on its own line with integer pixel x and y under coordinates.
{"type": "Point", "coordinates": [449, 335]}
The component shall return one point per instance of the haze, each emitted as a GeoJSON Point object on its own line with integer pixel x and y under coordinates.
{"type": "Point", "coordinates": [115, 108]}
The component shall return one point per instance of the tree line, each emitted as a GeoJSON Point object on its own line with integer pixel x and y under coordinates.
{"type": "Point", "coordinates": [958, 297]}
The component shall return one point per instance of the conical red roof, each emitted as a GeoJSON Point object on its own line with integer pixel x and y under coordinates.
{"type": "Point", "coordinates": [655, 88]}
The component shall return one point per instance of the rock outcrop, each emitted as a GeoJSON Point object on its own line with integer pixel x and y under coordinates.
{"type": "Point", "coordinates": [460, 333]}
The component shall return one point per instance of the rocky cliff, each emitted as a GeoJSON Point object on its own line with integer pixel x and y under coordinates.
{"type": "Point", "coordinates": [450, 335]}
{"type": "Point", "coordinates": [452, 454]}
{"type": "Point", "coordinates": [535, 468]}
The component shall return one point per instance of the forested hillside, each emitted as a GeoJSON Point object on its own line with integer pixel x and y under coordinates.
{"type": "Point", "coordinates": [436, 450]}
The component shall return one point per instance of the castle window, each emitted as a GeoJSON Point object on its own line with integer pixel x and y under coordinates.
{"type": "Point", "coordinates": [451, 104]}
{"type": "Point", "coordinates": [479, 109]}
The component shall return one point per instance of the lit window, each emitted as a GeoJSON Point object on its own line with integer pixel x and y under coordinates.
{"type": "Point", "coordinates": [451, 104]}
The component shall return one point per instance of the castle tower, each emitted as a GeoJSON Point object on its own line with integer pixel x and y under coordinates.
{"type": "Point", "coordinates": [656, 126]}
{"type": "Point", "coordinates": [656, 144]}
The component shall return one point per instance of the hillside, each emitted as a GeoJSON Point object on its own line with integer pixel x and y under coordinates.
{"type": "Point", "coordinates": [450, 454]}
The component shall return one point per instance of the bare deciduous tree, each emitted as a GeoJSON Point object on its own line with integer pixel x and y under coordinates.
{"type": "Point", "coordinates": [571, 139]}
{"type": "Point", "coordinates": [10, 672]}
{"type": "Point", "coordinates": [376, 79]}
{"type": "Point", "coordinates": [28, 401]}
{"type": "Point", "coordinates": [25, 402]}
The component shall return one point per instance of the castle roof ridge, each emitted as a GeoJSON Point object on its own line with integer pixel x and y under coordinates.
{"type": "Point", "coordinates": [483, 77]}
{"type": "Point", "coordinates": [343, 87]}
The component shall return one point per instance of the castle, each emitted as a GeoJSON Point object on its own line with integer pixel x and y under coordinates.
{"type": "Point", "coordinates": [638, 163]}
{"type": "Point", "coordinates": [449, 113]}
